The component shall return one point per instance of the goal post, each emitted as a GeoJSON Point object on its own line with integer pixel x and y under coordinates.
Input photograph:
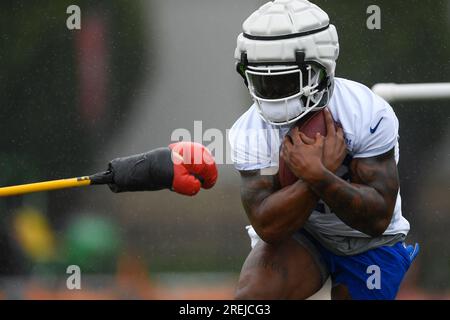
{"type": "Point", "coordinates": [392, 92]}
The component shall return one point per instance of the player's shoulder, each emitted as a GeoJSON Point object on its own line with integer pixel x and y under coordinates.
{"type": "Point", "coordinates": [358, 95]}
{"type": "Point", "coordinates": [369, 121]}
{"type": "Point", "coordinates": [350, 84]}
{"type": "Point", "coordinates": [354, 100]}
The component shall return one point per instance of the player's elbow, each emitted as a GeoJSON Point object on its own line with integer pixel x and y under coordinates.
{"type": "Point", "coordinates": [380, 219]}
{"type": "Point", "coordinates": [379, 226]}
{"type": "Point", "coordinates": [269, 234]}
{"type": "Point", "coordinates": [269, 229]}
{"type": "Point", "coordinates": [271, 237]}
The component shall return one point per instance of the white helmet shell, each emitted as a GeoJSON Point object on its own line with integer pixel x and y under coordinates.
{"type": "Point", "coordinates": [279, 29]}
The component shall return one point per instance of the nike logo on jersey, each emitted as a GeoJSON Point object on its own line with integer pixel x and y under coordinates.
{"type": "Point", "coordinates": [373, 130]}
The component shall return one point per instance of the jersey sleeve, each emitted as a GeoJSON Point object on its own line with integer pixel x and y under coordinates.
{"type": "Point", "coordinates": [378, 131]}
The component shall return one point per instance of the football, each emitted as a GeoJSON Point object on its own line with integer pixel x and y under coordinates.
{"type": "Point", "coordinates": [309, 125]}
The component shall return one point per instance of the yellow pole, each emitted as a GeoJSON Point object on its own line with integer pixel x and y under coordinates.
{"type": "Point", "coordinates": [44, 186]}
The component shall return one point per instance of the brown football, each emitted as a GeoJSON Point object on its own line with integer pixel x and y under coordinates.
{"type": "Point", "coordinates": [309, 125]}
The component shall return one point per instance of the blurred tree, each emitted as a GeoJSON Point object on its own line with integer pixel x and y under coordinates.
{"type": "Point", "coordinates": [39, 85]}
{"type": "Point", "coordinates": [44, 134]}
{"type": "Point", "coordinates": [92, 243]}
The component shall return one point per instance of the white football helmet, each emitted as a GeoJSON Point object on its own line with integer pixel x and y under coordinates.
{"type": "Point", "coordinates": [287, 56]}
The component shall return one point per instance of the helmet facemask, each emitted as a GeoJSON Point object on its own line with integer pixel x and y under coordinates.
{"type": "Point", "coordinates": [287, 56]}
{"type": "Point", "coordinates": [285, 94]}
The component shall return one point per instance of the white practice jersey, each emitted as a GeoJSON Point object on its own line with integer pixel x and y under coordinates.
{"type": "Point", "coordinates": [370, 127]}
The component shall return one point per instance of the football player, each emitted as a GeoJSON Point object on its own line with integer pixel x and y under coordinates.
{"type": "Point", "coordinates": [342, 218]}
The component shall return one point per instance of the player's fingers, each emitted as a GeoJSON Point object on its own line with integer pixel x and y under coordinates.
{"type": "Point", "coordinates": [286, 154]}
{"type": "Point", "coordinates": [287, 142]}
{"type": "Point", "coordinates": [295, 135]}
{"type": "Point", "coordinates": [340, 132]}
{"type": "Point", "coordinates": [341, 137]}
{"type": "Point", "coordinates": [283, 152]}
{"type": "Point", "coordinates": [331, 131]}
{"type": "Point", "coordinates": [319, 140]}
{"type": "Point", "coordinates": [306, 139]}
{"type": "Point", "coordinates": [286, 148]}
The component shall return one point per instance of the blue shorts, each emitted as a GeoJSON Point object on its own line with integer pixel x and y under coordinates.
{"type": "Point", "coordinates": [372, 275]}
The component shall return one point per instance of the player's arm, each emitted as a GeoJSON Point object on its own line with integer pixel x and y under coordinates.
{"type": "Point", "coordinates": [275, 214]}
{"type": "Point", "coordinates": [366, 204]}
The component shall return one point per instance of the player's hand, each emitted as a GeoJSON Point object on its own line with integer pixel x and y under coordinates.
{"type": "Point", "coordinates": [193, 168]}
{"type": "Point", "coordinates": [303, 159]}
{"type": "Point", "coordinates": [334, 149]}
